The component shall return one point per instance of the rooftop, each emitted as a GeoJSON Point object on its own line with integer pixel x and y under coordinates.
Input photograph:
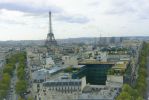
{"type": "Point", "coordinates": [94, 62]}
{"type": "Point", "coordinates": [98, 92]}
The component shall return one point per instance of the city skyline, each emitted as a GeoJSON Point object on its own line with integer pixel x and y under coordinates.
{"type": "Point", "coordinates": [28, 19]}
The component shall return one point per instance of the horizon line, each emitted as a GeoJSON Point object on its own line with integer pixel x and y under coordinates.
{"type": "Point", "coordinates": [72, 38]}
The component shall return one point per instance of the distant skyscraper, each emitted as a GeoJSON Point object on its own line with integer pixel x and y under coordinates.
{"type": "Point", "coordinates": [112, 40]}
{"type": "Point", "coordinates": [50, 41]}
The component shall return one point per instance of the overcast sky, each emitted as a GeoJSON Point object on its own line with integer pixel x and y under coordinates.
{"type": "Point", "coordinates": [28, 19]}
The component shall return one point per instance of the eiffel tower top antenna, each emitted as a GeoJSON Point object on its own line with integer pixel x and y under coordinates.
{"type": "Point", "coordinates": [50, 23]}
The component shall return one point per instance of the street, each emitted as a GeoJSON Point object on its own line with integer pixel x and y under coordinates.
{"type": "Point", "coordinates": [12, 93]}
{"type": "Point", "coordinates": [147, 79]}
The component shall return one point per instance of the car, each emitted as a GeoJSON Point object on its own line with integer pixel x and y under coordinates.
{"type": "Point", "coordinates": [24, 93]}
{"type": "Point", "coordinates": [27, 92]}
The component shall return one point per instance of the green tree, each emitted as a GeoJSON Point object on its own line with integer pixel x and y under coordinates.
{"type": "Point", "coordinates": [69, 69]}
{"type": "Point", "coordinates": [21, 73]}
{"type": "Point", "coordinates": [30, 98]}
{"type": "Point", "coordinates": [20, 98]}
{"type": "Point", "coordinates": [21, 87]}
{"type": "Point", "coordinates": [8, 69]}
{"type": "Point", "coordinates": [127, 88]}
{"type": "Point", "coordinates": [124, 96]}
{"type": "Point", "coordinates": [139, 98]}
{"type": "Point", "coordinates": [3, 94]}
{"type": "Point", "coordinates": [6, 78]}
{"type": "Point", "coordinates": [4, 86]}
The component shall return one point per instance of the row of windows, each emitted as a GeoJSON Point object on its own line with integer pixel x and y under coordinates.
{"type": "Point", "coordinates": [65, 89]}
{"type": "Point", "coordinates": [62, 83]}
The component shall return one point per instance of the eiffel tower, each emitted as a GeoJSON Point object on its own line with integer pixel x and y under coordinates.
{"type": "Point", "coordinates": [50, 41]}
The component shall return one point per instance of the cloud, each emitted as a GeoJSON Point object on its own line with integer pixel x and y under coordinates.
{"type": "Point", "coordinates": [8, 21]}
{"type": "Point", "coordinates": [94, 3]}
{"type": "Point", "coordinates": [143, 16]}
{"type": "Point", "coordinates": [113, 17]}
{"type": "Point", "coordinates": [73, 18]}
{"type": "Point", "coordinates": [133, 10]}
{"type": "Point", "coordinates": [27, 8]}
{"type": "Point", "coordinates": [143, 13]}
{"type": "Point", "coordinates": [121, 7]}
{"type": "Point", "coordinates": [43, 12]}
